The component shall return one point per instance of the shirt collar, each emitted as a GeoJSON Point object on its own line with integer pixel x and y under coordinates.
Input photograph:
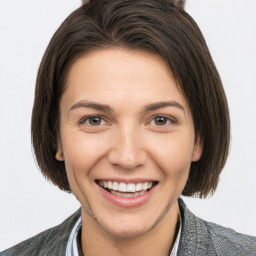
{"type": "Point", "coordinates": [72, 246]}
{"type": "Point", "coordinates": [177, 241]}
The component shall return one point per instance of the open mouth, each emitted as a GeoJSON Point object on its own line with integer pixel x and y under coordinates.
{"type": "Point", "coordinates": [127, 190]}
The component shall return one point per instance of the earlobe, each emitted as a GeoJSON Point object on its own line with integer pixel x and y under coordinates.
{"type": "Point", "coordinates": [198, 149]}
{"type": "Point", "coordinates": [59, 153]}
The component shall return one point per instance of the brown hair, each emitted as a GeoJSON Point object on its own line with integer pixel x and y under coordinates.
{"type": "Point", "coordinates": [162, 27]}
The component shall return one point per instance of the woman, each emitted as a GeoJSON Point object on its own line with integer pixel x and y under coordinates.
{"type": "Point", "coordinates": [129, 114]}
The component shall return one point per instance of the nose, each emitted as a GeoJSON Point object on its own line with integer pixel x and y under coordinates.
{"type": "Point", "coordinates": [127, 150]}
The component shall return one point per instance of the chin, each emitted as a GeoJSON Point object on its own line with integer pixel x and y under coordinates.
{"type": "Point", "coordinates": [128, 226]}
{"type": "Point", "coordinates": [130, 232]}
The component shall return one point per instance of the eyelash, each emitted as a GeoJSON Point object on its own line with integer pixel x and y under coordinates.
{"type": "Point", "coordinates": [167, 119]}
{"type": "Point", "coordinates": [86, 119]}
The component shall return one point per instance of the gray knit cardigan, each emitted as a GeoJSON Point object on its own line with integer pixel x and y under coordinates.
{"type": "Point", "coordinates": [198, 238]}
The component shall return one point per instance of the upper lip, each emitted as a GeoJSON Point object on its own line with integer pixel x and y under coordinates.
{"type": "Point", "coordinates": [126, 181]}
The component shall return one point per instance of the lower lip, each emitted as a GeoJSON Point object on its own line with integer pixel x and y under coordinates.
{"type": "Point", "coordinates": [127, 202]}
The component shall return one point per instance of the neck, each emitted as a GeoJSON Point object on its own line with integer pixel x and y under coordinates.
{"type": "Point", "coordinates": [159, 240]}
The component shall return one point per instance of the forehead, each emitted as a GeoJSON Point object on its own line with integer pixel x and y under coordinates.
{"type": "Point", "coordinates": [123, 75]}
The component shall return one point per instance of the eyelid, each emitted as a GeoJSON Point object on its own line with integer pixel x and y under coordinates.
{"type": "Point", "coordinates": [85, 118]}
{"type": "Point", "coordinates": [168, 117]}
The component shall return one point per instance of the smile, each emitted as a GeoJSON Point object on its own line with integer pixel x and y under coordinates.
{"type": "Point", "coordinates": [122, 189]}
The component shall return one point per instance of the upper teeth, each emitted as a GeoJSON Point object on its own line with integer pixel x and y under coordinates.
{"type": "Point", "coordinates": [123, 187]}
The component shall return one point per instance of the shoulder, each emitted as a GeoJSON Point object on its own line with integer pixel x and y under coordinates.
{"type": "Point", "coordinates": [50, 242]}
{"type": "Point", "coordinates": [200, 237]}
{"type": "Point", "coordinates": [222, 239]}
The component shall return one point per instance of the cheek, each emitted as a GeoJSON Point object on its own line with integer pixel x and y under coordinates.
{"type": "Point", "coordinates": [82, 152]}
{"type": "Point", "coordinates": [174, 154]}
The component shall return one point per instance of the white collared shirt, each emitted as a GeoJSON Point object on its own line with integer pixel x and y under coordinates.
{"type": "Point", "coordinates": [72, 247]}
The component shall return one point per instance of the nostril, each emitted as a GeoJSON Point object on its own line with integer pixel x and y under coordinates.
{"type": "Point", "coordinates": [127, 152]}
{"type": "Point", "coordinates": [127, 161]}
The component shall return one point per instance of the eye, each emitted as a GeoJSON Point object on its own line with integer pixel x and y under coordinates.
{"type": "Point", "coordinates": [162, 120]}
{"type": "Point", "coordinates": [93, 121]}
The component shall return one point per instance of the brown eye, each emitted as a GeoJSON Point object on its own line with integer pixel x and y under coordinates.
{"type": "Point", "coordinates": [161, 120]}
{"type": "Point", "coordinates": [93, 123]}
{"type": "Point", "coordinates": [94, 120]}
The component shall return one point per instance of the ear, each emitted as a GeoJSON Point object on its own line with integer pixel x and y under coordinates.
{"type": "Point", "coordinates": [59, 153]}
{"type": "Point", "coordinates": [198, 149]}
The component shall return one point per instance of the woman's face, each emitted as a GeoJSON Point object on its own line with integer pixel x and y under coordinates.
{"type": "Point", "coordinates": [127, 138]}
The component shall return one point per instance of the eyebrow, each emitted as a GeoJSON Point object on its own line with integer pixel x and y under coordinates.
{"type": "Point", "coordinates": [162, 104]}
{"type": "Point", "coordinates": [107, 108]}
{"type": "Point", "coordinates": [94, 105]}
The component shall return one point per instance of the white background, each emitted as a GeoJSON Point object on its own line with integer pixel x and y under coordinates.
{"type": "Point", "coordinates": [28, 204]}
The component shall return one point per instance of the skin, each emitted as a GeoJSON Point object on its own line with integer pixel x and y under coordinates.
{"type": "Point", "coordinates": [127, 143]}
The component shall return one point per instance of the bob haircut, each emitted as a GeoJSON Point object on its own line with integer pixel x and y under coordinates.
{"type": "Point", "coordinates": [161, 27]}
